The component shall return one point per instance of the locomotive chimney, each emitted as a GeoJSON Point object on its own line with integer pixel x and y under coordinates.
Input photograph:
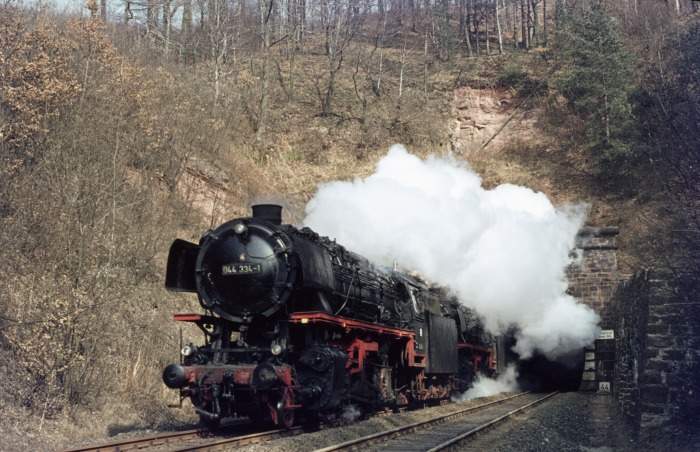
{"type": "Point", "coordinates": [268, 212]}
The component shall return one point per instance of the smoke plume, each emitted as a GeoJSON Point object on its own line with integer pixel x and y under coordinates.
{"type": "Point", "coordinates": [485, 387]}
{"type": "Point", "coordinates": [502, 251]}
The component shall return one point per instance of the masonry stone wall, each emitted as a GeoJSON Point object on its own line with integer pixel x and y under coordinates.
{"type": "Point", "coordinates": [594, 278]}
{"type": "Point", "coordinates": [632, 312]}
{"type": "Point", "coordinates": [657, 374]}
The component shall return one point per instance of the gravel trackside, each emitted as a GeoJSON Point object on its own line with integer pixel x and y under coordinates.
{"type": "Point", "coordinates": [572, 421]}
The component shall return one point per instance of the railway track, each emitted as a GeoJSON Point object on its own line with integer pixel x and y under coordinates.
{"type": "Point", "coordinates": [191, 440]}
{"type": "Point", "coordinates": [445, 431]}
{"type": "Point", "coordinates": [434, 434]}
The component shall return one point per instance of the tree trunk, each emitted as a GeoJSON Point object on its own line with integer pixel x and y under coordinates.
{"type": "Point", "coordinates": [467, 36]}
{"type": "Point", "coordinates": [414, 13]}
{"type": "Point", "coordinates": [476, 27]}
{"type": "Point", "coordinates": [294, 35]}
{"type": "Point", "coordinates": [150, 18]}
{"type": "Point", "coordinates": [265, 95]}
{"type": "Point", "coordinates": [425, 61]}
{"type": "Point", "coordinates": [325, 22]}
{"type": "Point", "coordinates": [167, 26]}
{"type": "Point", "coordinates": [403, 63]}
{"type": "Point", "coordinates": [301, 34]}
{"type": "Point", "coordinates": [523, 24]}
{"type": "Point", "coordinates": [498, 30]}
{"type": "Point", "coordinates": [187, 20]}
{"type": "Point", "coordinates": [486, 32]}
{"type": "Point", "coordinates": [535, 24]}
{"type": "Point", "coordinates": [515, 23]}
{"type": "Point", "coordinates": [544, 24]}
{"type": "Point", "coordinates": [378, 89]}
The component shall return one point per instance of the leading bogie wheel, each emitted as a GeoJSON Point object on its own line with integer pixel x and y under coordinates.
{"type": "Point", "coordinates": [285, 412]}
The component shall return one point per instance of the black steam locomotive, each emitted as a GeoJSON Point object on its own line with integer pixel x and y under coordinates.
{"type": "Point", "coordinates": [297, 325]}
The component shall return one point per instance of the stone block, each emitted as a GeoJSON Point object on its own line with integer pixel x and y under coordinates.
{"type": "Point", "coordinates": [653, 378]}
{"type": "Point", "coordinates": [680, 330]}
{"type": "Point", "coordinates": [662, 341]}
{"type": "Point", "coordinates": [605, 355]}
{"type": "Point", "coordinates": [654, 394]}
{"type": "Point", "coordinates": [653, 409]}
{"type": "Point", "coordinates": [675, 355]}
{"type": "Point", "coordinates": [657, 366]}
{"type": "Point", "coordinates": [659, 328]}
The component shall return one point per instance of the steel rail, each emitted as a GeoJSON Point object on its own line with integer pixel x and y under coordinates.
{"type": "Point", "coordinates": [143, 442]}
{"type": "Point", "coordinates": [239, 441]}
{"type": "Point", "coordinates": [203, 439]}
{"type": "Point", "coordinates": [487, 425]}
{"type": "Point", "coordinates": [416, 426]}
{"type": "Point", "coordinates": [199, 439]}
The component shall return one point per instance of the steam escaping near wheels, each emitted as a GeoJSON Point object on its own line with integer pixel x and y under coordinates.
{"type": "Point", "coordinates": [351, 413]}
{"type": "Point", "coordinates": [503, 251]}
{"type": "Point", "coordinates": [485, 387]}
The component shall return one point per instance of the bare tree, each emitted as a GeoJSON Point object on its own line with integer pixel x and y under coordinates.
{"type": "Point", "coordinates": [265, 94]}
{"type": "Point", "coordinates": [524, 24]}
{"type": "Point", "coordinates": [221, 36]}
{"type": "Point", "coordinates": [534, 21]}
{"type": "Point", "coordinates": [339, 28]}
{"type": "Point", "coordinates": [486, 13]}
{"type": "Point", "coordinates": [186, 19]}
{"type": "Point", "coordinates": [464, 24]}
{"type": "Point", "coordinates": [498, 28]}
{"type": "Point", "coordinates": [295, 33]}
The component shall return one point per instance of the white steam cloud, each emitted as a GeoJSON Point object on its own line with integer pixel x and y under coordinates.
{"type": "Point", "coordinates": [502, 251]}
{"type": "Point", "coordinates": [485, 387]}
{"type": "Point", "coordinates": [350, 414]}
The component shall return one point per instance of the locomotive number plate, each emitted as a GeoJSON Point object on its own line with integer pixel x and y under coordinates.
{"type": "Point", "coordinates": [241, 269]}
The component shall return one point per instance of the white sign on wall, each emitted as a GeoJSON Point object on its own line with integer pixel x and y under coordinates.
{"type": "Point", "coordinates": [604, 387]}
{"type": "Point", "coordinates": [607, 334]}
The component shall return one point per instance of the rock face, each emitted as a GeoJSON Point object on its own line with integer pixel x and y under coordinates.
{"type": "Point", "coordinates": [484, 116]}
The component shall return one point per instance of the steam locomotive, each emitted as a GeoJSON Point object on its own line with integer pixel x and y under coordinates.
{"type": "Point", "coordinates": [298, 326]}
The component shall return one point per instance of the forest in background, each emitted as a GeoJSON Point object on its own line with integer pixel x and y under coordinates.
{"type": "Point", "coordinates": [106, 122]}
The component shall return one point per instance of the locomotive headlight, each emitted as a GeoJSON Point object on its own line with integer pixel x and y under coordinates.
{"type": "Point", "coordinates": [276, 349]}
{"type": "Point", "coordinates": [240, 229]}
{"type": "Point", "coordinates": [187, 350]}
